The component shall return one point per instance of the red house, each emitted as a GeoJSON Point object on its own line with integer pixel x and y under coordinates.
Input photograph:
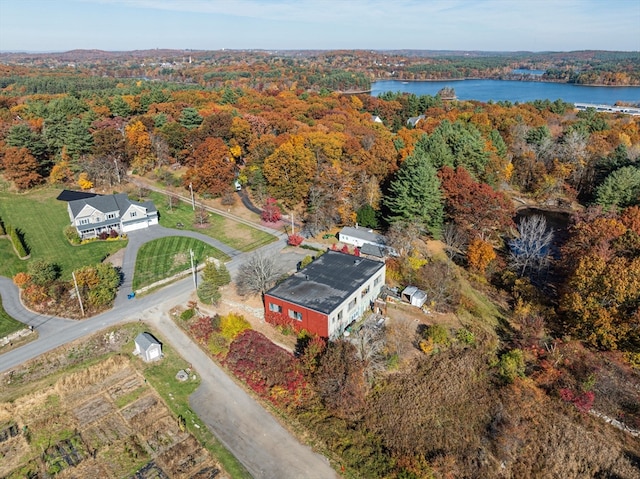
{"type": "Point", "coordinates": [326, 296]}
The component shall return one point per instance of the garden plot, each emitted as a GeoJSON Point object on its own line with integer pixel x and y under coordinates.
{"type": "Point", "coordinates": [102, 421]}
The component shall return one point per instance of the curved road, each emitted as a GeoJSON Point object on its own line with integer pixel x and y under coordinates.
{"type": "Point", "coordinates": [252, 435]}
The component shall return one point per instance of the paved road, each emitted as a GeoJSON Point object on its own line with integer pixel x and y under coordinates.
{"type": "Point", "coordinates": [252, 435]}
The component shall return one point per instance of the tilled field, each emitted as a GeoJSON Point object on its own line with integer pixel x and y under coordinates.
{"type": "Point", "coordinates": [104, 421]}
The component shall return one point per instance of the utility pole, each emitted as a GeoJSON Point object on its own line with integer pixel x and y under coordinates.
{"type": "Point", "coordinates": [193, 270]}
{"type": "Point", "coordinates": [193, 202]}
{"type": "Point", "coordinates": [73, 273]}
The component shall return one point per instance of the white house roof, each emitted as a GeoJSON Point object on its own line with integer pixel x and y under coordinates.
{"type": "Point", "coordinates": [145, 341]}
{"type": "Point", "coordinates": [363, 234]}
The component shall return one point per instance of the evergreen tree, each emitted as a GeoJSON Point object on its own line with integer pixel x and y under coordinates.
{"type": "Point", "coordinates": [620, 189]}
{"type": "Point", "coordinates": [415, 194]}
{"type": "Point", "coordinates": [190, 118]}
{"type": "Point", "coordinates": [78, 139]}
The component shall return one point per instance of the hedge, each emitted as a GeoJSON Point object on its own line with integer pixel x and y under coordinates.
{"type": "Point", "coordinates": [18, 242]}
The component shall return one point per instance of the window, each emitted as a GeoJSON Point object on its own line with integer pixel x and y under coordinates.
{"type": "Point", "coordinates": [376, 281]}
{"type": "Point", "coordinates": [110, 216]}
{"type": "Point", "coordinates": [340, 316]}
{"type": "Point", "coordinates": [133, 213]}
{"type": "Point", "coordinates": [352, 304]}
{"type": "Point", "coordinates": [295, 315]}
{"type": "Point", "coordinates": [83, 221]}
{"type": "Point", "coordinates": [365, 291]}
{"type": "Point", "coordinates": [276, 308]}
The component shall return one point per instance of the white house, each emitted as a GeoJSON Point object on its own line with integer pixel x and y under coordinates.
{"type": "Point", "coordinates": [92, 216]}
{"type": "Point", "coordinates": [147, 347]}
{"type": "Point", "coordinates": [358, 236]}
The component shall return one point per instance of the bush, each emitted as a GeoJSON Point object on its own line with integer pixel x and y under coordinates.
{"type": "Point", "coordinates": [465, 336]}
{"type": "Point", "coordinates": [72, 235]}
{"type": "Point", "coordinates": [20, 279]}
{"type": "Point", "coordinates": [2, 231]}
{"type": "Point", "coordinates": [18, 241]}
{"type": "Point", "coordinates": [271, 212]}
{"type": "Point", "coordinates": [295, 240]}
{"type": "Point", "coordinates": [232, 324]}
{"type": "Point", "coordinates": [187, 314]}
{"type": "Point", "coordinates": [511, 365]}
{"type": "Point", "coordinates": [104, 235]}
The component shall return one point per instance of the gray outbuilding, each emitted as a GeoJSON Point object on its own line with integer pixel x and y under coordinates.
{"type": "Point", "coordinates": [148, 347]}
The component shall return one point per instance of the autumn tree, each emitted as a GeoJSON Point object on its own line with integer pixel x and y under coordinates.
{"type": "Point", "coordinates": [20, 167]}
{"type": "Point", "coordinates": [289, 171]}
{"type": "Point", "coordinates": [475, 207]}
{"type": "Point", "coordinates": [138, 146]}
{"type": "Point", "coordinates": [213, 170]}
{"type": "Point", "coordinates": [479, 255]}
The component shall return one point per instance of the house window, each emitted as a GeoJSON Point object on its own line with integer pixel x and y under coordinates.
{"type": "Point", "coordinates": [133, 213]}
{"type": "Point", "coordinates": [376, 281]}
{"type": "Point", "coordinates": [340, 316]}
{"type": "Point", "coordinates": [276, 308]}
{"type": "Point", "coordinates": [365, 291]}
{"type": "Point", "coordinates": [110, 216]}
{"type": "Point", "coordinates": [352, 304]}
{"type": "Point", "coordinates": [83, 221]}
{"type": "Point", "coordinates": [295, 315]}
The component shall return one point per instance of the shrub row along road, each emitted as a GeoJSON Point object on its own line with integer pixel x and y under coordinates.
{"type": "Point", "coordinates": [257, 440]}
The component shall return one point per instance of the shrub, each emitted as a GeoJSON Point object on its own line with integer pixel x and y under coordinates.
{"type": "Point", "coordinates": [43, 272]}
{"type": "Point", "coordinates": [306, 261]}
{"type": "Point", "coordinates": [208, 292]}
{"type": "Point", "coordinates": [72, 235]}
{"type": "Point", "coordinates": [511, 365]}
{"type": "Point", "coordinates": [20, 279]}
{"type": "Point", "coordinates": [113, 234]}
{"type": "Point", "coordinates": [267, 368]}
{"type": "Point", "coordinates": [271, 212]}
{"type": "Point", "coordinates": [2, 231]}
{"type": "Point", "coordinates": [18, 241]}
{"type": "Point", "coordinates": [232, 324]}
{"type": "Point", "coordinates": [295, 240]}
{"type": "Point", "coordinates": [104, 235]}
{"type": "Point", "coordinates": [437, 333]}
{"type": "Point", "coordinates": [465, 336]}
{"type": "Point", "coordinates": [187, 314]}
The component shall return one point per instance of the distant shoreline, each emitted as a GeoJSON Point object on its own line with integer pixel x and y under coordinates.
{"type": "Point", "coordinates": [431, 80]}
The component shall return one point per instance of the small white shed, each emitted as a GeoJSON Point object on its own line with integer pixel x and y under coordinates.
{"type": "Point", "coordinates": [414, 296]}
{"type": "Point", "coordinates": [148, 347]}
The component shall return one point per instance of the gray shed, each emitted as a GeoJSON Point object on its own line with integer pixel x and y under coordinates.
{"type": "Point", "coordinates": [414, 296]}
{"type": "Point", "coordinates": [148, 347]}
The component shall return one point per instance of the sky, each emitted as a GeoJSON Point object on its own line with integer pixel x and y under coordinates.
{"type": "Point", "coordinates": [486, 25]}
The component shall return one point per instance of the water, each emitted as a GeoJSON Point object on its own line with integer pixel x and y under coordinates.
{"type": "Point", "coordinates": [514, 91]}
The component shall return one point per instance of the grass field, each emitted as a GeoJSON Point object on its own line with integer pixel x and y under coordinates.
{"type": "Point", "coordinates": [164, 257]}
{"type": "Point", "coordinates": [237, 235]}
{"type": "Point", "coordinates": [42, 219]}
{"type": "Point", "coordinates": [7, 324]}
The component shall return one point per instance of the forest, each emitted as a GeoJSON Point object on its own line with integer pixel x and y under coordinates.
{"type": "Point", "coordinates": [549, 342]}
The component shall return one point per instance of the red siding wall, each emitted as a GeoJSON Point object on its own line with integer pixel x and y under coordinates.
{"type": "Point", "coordinates": [312, 321]}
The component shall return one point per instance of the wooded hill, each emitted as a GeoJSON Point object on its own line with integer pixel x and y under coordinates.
{"type": "Point", "coordinates": [546, 331]}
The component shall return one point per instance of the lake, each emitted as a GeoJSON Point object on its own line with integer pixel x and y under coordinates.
{"type": "Point", "coordinates": [514, 91]}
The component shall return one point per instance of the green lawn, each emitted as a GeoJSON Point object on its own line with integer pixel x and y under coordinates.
{"type": "Point", "coordinates": [7, 324]}
{"type": "Point", "coordinates": [164, 257]}
{"type": "Point", "coordinates": [237, 235]}
{"type": "Point", "coordinates": [42, 219]}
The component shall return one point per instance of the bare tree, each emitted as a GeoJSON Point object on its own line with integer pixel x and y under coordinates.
{"type": "Point", "coordinates": [370, 345]}
{"type": "Point", "coordinates": [201, 215]}
{"type": "Point", "coordinates": [256, 274]}
{"type": "Point", "coordinates": [172, 200]}
{"type": "Point", "coordinates": [530, 251]}
{"type": "Point", "coordinates": [455, 240]}
{"type": "Point", "coordinates": [402, 235]}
